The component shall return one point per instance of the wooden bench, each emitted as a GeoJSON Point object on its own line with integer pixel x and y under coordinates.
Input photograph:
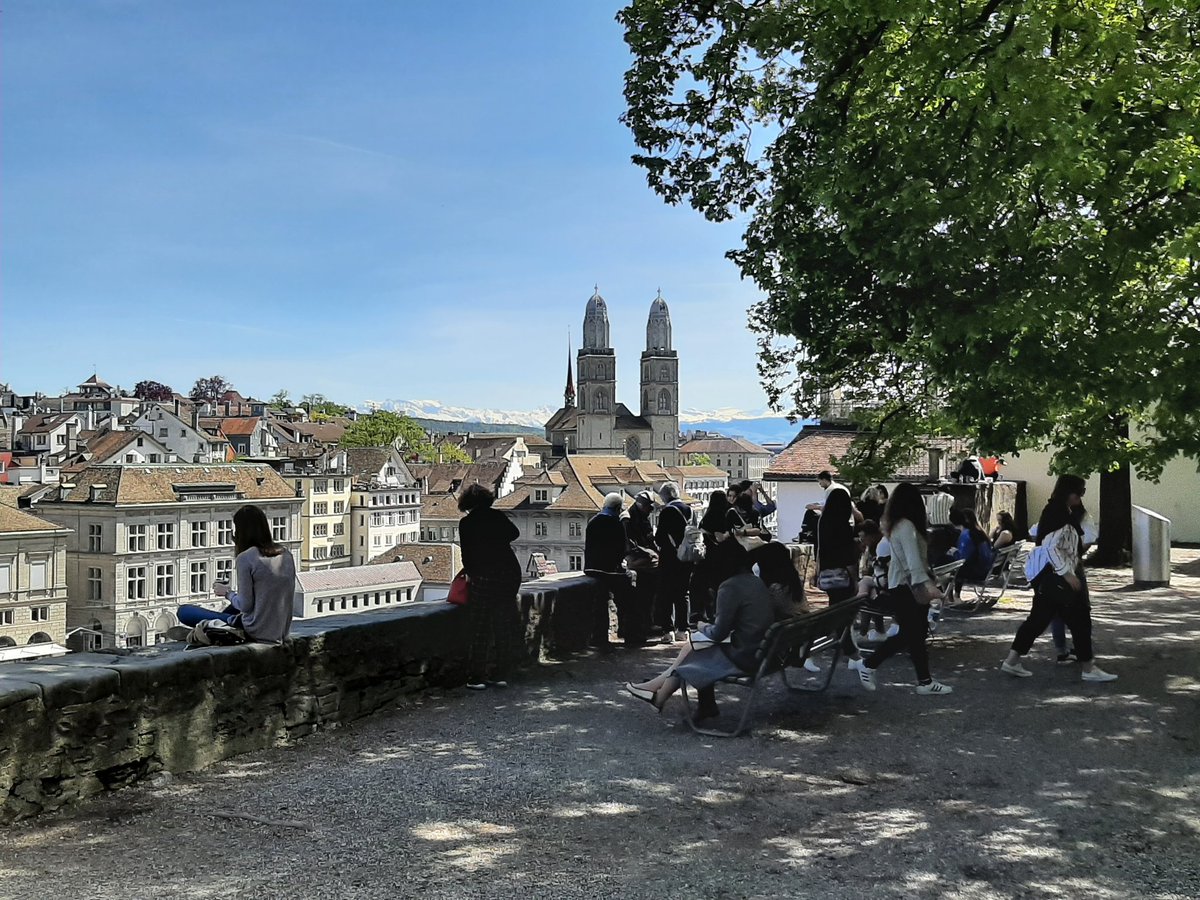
{"type": "Point", "coordinates": [943, 578]}
{"type": "Point", "coordinates": [787, 645]}
{"type": "Point", "coordinates": [975, 596]}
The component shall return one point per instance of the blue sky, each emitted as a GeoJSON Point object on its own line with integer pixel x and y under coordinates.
{"type": "Point", "coordinates": [369, 200]}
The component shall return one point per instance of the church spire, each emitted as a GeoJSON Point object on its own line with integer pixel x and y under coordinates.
{"type": "Point", "coordinates": [569, 393]}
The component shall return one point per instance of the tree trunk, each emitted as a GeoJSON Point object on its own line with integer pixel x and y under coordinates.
{"type": "Point", "coordinates": [1116, 508]}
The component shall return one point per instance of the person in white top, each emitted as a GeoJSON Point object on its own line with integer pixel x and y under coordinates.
{"type": "Point", "coordinates": [910, 590]}
{"type": "Point", "coordinates": [1059, 587]}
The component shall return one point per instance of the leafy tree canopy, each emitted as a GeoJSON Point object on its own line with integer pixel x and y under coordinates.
{"type": "Point", "coordinates": [319, 408]}
{"type": "Point", "coordinates": [152, 390]}
{"type": "Point", "coordinates": [979, 215]}
{"type": "Point", "coordinates": [701, 459]}
{"type": "Point", "coordinates": [281, 400]}
{"type": "Point", "coordinates": [383, 428]}
{"type": "Point", "coordinates": [209, 389]}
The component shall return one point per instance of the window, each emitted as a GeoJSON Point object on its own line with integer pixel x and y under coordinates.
{"type": "Point", "coordinates": [376, 520]}
{"type": "Point", "coordinates": [337, 550]}
{"type": "Point", "coordinates": [321, 509]}
{"type": "Point", "coordinates": [225, 570]}
{"type": "Point", "coordinates": [166, 536]}
{"type": "Point", "coordinates": [37, 575]}
{"type": "Point", "coordinates": [541, 495]}
{"type": "Point", "coordinates": [320, 530]}
{"type": "Point", "coordinates": [321, 486]}
{"type": "Point", "coordinates": [6, 616]}
{"type": "Point", "coordinates": [339, 527]}
{"type": "Point", "coordinates": [162, 432]}
{"type": "Point", "coordinates": [664, 401]}
{"type": "Point", "coordinates": [339, 485]}
{"type": "Point", "coordinates": [539, 529]}
{"type": "Point", "coordinates": [339, 507]}
{"type": "Point", "coordinates": [5, 578]}
{"type": "Point", "coordinates": [129, 458]}
{"type": "Point", "coordinates": [164, 580]}
{"type": "Point", "coordinates": [60, 440]}
{"type": "Point", "coordinates": [224, 532]}
{"type": "Point", "coordinates": [320, 553]}
{"type": "Point", "coordinates": [199, 573]}
{"type": "Point", "coordinates": [279, 528]}
{"type": "Point", "coordinates": [375, 542]}
{"type": "Point", "coordinates": [137, 537]}
{"type": "Point", "coordinates": [136, 583]}
{"type": "Point", "coordinates": [95, 532]}
{"type": "Point", "coordinates": [199, 534]}
{"type": "Point", "coordinates": [575, 529]}
{"type": "Point", "coordinates": [141, 442]}
{"type": "Point", "coordinates": [95, 589]}
{"type": "Point", "coordinates": [575, 562]}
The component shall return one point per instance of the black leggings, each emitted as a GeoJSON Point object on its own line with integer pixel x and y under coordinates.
{"type": "Point", "coordinates": [1053, 597]}
{"type": "Point", "coordinates": [913, 619]}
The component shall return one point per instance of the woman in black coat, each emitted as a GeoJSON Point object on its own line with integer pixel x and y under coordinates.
{"type": "Point", "coordinates": [836, 548]}
{"type": "Point", "coordinates": [494, 573]}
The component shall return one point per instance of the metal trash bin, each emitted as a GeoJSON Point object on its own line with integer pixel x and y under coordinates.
{"type": "Point", "coordinates": [1151, 548]}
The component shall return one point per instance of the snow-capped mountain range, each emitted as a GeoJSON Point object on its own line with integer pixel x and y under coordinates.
{"type": "Point", "coordinates": [756, 425]}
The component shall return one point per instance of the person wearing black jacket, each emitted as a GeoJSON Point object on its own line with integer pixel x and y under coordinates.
{"type": "Point", "coordinates": [604, 546]}
{"type": "Point", "coordinates": [670, 604]}
{"type": "Point", "coordinates": [642, 558]}
{"type": "Point", "coordinates": [494, 574]}
{"type": "Point", "coordinates": [836, 548]}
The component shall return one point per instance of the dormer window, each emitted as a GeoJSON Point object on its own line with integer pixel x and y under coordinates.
{"type": "Point", "coordinates": [541, 495]}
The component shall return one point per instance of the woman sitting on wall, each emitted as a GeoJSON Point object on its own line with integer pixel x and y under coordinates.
{"type": "Point", "coordinates": [261, 608]}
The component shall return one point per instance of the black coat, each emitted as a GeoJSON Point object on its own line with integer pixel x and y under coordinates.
{"type": "Point", "coordinates": [604, 544]}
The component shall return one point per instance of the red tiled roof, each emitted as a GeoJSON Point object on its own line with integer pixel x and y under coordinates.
{"type": "Point", "coordinates": [809, 454]}
{"type": "Point", "coordinates": [724, 445]}
{"type": "Point", "coordinates": [239, 426]}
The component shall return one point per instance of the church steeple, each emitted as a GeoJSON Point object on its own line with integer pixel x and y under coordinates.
{"type": "Point", "coordinates": [595, 323]}
{"type": "Point", "coordinates": [569, 393]}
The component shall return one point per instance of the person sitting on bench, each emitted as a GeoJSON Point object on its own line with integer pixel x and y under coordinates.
{"type": "Point", "coordinates": [728, 646]}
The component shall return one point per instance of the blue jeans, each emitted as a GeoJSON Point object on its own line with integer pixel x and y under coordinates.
{"type": "Point", "coordinates": [190, 614]}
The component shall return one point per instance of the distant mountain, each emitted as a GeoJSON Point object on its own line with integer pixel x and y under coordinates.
{"type": "Point", "coordinates": [759, 426]}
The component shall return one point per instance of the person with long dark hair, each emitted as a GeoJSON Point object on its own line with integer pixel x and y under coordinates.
{"type": "Point", "coordinates": [910, 590]}
{"type": "Point", "coordinates": [1059, 586]}
{"type": "Point", "coordinates": [494, 574]}
{"type": "Point", "coordinates": [715, 527]}
{"type": "Point", "coordinates": [1006, 531]}
{"type": "Point", "coordinates": [837, 552]}
{"type": "Point", "coordinates": [261, 607]}
{"type": "Point", "coordinates": [974, 548]}
{"type": "Point", "coordinates": [745, 610]}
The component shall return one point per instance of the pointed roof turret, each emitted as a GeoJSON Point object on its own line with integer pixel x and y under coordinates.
{"type": "Point", "coordinates": [658, 325]}
{"type": "Point", "coordinates": [595, 323]}
{"type": "Point", "coordinates": [569, 393]}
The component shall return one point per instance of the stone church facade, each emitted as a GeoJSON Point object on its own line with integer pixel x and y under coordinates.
{"type": "Point", "coordinates": [592, 422]}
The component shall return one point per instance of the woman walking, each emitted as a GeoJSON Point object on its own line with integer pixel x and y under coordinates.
{"type": "Point", "coordinates": [494, 574]}
{"type": "Point", "coordinates": [1059, 587]}
{"type": "Point", "coordinates": [910, 590]}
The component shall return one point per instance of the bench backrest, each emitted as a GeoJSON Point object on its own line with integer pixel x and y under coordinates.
{"type": "Point", "coordinates": [785, 638]}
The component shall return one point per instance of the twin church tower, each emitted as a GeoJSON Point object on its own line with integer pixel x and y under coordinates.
{"type": "Point", "coordinates": [595, 423]}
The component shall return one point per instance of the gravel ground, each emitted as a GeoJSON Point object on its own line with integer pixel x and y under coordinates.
{"type": "Point", "coordinates": [562, 787]}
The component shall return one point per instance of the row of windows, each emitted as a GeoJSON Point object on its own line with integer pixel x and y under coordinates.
{"type": "Point", "coordinates": [138, 538]}
{"type": "Point", "coordinates": [542, 529]}
{"type": "Point", "coordinates": [379, 519]}
{"type": "Point", "coordinates": [321, 508]}
{"type": "Point", "coordinates": [321, 485]}
{"type": "Point", "coordinates": [321, 529]}
{"type": "Point", "coordinates": [333, 551]}
{"type": "Point", "coordinates": [441, 533]}
{"type": "Point", "coordinates": [352, 602]}
{"type": "Point", "coordinates": [395, 499]}
{"type": "Point", "coordinates": [137, 579]}
{"type": "Point", "coordinates": [38, 571]}
{"type": "Point", "coordinates": [36, 614]}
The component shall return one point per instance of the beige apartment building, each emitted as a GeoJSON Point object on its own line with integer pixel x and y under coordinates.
{"type": "Point", "coordinates": [325, 514]}
{"type": "Point", "coordinates": [146, 539]}
{"type": "Point", "coordinates": [739, 458]}
{"type": "Point", "coordinates": [33, 579]}
{"type": "Point", "coordinates": [385, 502]}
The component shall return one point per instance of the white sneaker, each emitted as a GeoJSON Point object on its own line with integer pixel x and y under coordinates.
{"type": "Point", "coordinates": [1095, 673]}
{"type": "Point", "coordinates": [810, 666]}
{"type": "Point", "coordinates": [934, 687]}
{"type": "Point", "coordinates": [893, 630]}
{"type": "Point", "coordinates": [876, 637]}
{"type": "Point", "coordinates": [854, 665]}
{"type": "Point", "coordinates": [680, 637]}
{"type": "Point", "coordinates": [867, 677]}
{"type": "Point", "coordinates": [1015, 669]}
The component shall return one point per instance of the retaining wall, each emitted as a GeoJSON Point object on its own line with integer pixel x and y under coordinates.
{"type": "Point", "coordinates": [76, 725]}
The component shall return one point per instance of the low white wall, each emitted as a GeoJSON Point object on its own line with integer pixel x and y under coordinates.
{"type": "Point", "coordinates": [1175, 495]}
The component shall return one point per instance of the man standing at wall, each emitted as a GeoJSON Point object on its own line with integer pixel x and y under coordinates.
{"type": "Point", "coordinates": [603, 560]}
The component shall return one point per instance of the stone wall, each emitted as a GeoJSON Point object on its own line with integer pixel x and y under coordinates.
{"type": "Point", "coordinates": [74, 726]}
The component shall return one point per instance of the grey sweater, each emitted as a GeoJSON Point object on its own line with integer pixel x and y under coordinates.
{"type": "Point", "coordinates": [266, 585]}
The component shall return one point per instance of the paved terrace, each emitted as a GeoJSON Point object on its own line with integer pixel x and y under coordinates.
{"type": "Point", "coordinates": [562, 787]}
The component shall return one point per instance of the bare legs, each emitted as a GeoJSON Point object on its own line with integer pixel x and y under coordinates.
{"type": "Point", "coordinates": [666, 683]}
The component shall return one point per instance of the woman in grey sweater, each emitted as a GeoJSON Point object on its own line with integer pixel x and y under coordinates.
{"type": "Point", "coordinates": [266, 579]}
{"type": "Point", "coordinates": [745, 610]}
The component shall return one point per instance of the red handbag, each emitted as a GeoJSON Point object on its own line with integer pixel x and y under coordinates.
{"type": "Point", "coordinates": [460, 589]}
